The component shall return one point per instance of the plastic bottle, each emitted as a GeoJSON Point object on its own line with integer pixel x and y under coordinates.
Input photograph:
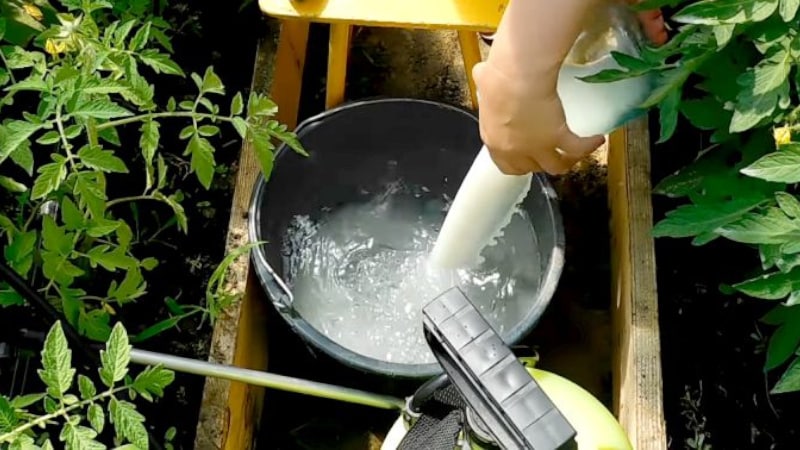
{"type": "Point", "coordinates": [486, 199]}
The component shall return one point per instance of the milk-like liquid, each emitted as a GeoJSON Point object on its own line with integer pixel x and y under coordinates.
{"type": "Point", "coordinates": [360, 273]}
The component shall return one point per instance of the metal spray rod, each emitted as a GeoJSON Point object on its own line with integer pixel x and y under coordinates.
{"type": "Point", "coordinates": [266, 379]}
{"type": "Point", "coordinates": [196, 367]}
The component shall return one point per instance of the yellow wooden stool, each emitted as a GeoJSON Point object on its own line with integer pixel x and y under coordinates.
{"type": "Point", "coordinates": [467, 17]}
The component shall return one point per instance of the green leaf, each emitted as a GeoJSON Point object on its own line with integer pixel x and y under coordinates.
{"type": "Point", "coordinates": [49, 138]}
{"type": "Point", "coordinates": [104, 160]}
{"type": "Point", "coordinates": [56, 372]}
{"type": "Point", "coordinates": [788, 204]}
{"type": "Point", "coordinates": [260, 106]}
{"type": "Point", "coordinates": [790, 380]}
{"type": "Point", "coordinates": [71, 216]}
{"type": "Point", "coordinates": [140, 38]}
{"type": "Point", "coordinates": [771, 73]}
{"type": "Point", "coordinates": [788, 9]}
{"type": "Point", "coordinates": [149, 140]}
{"type": "Point", "coordinates": [783, 342]}
{"type": "Point", "coordinates": [27, 400]}
{"type": "Point", "coordinates": [19, 252]}
{"type": "Point", "coordinates": [115, 357]}
{"type": "Point", "coordinates": [668, 111]}
{"type": "Point", "coordinates": [714, 12]}
{"type": "Point", "coordinates": [208, 130]}
{"type": "Point", "coordinates": [8, 417]}
{"type": "Point", "coordinates": [12, 185]}
{"type": "Point", "coordinates": [782, 166]}
{"type": "Point", "coordinates": [23, 157]}
{"type": "Point", "coordinates": [148, 263]}
{"type": "Point", "coordinates": [237, 104]}
{"type": "Point", "coordinates": [86, 387]}
{"type": "Point", "coordinates": [241, 126]}
{"type": "Point", "coordinates": [128, 423]}
{"type": "Point", "coordinates": [772, 286]}
{"type": "Point", "coordinates": [152, 381]}
{"type": "Point", "coordinates": [110, 260]}
{"type": "Point", "coordinates": [752, 105]}
{"type": "Point", "coordinates": [180, 214]}
{"type": "Point", "coordinates": [94, 324]}
{"type": "Point", "coordinates": [96, 417]}
{"type": "Point", "coordinates": [263, 149]}
{"type": "Point", "coordinates": [695, 219]}
{"type": "Point", "coordinates": [90, 192]}
{"type": "Point", "coordinates": [79, 437]}
{"type": "Point", "coordinates": [13, 134]}
{"type": "Point", "coordinates": [101, 109]}
{"type": "Point", "coordinates": [51, 175]}
{"type": "Point", "coordinates": [202, 162]}
{"type": "Point", "coordinates": [211, 82]}
{"type": "Point", "coordinates": [160, 63]}
{"type": "Point", "coordinates": [770, 227]}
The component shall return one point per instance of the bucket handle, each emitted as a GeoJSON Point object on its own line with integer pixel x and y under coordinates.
{"type": "Point", "coordinates": [283, 299]}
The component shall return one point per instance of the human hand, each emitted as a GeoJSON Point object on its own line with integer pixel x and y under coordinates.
{"type": "Point", "coordinates": [522, 121]}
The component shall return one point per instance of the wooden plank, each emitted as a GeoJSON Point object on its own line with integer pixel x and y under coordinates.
{"type": "Point", "coordinates": [638, 401]}
{"type": "Point", "coordinates": [230, 412]}
{"type": "Point", "coordinates": [442, 14]}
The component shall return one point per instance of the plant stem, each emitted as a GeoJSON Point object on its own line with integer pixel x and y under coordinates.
{"type": "Point", "coordinates": [62, 411]}
{"type": "Point", "coordinates": [10, 72]}
{"type": "Point", "coordinates": [63, 135]}
{"type": "Point", "coordinates": [161, 115]}
{"type": "Point", "coordinates": [132, 198]}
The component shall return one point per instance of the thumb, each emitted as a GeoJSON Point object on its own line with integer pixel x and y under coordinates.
{"type": "Point", "coordinates": [578, 147]}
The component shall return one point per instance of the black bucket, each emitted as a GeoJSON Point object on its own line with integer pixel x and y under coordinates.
{"type": "Point", "coordinates": [427, 142]}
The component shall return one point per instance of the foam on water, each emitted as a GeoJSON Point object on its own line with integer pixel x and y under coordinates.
{"type": "Point", "coordinates": [359, 273]}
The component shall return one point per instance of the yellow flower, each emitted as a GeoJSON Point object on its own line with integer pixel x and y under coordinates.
{"type": "Point", "coordinates": [54, 47]}
{"type": "Point", "coordinates": [33, 11]}
{"type": "Point", "coordinates": [782, 135]}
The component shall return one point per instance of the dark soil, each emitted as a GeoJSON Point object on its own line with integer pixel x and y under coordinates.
{"type": "Point", "coordinates": [208, 33]}
{"type": "Point", "coordinates": [712, 345]}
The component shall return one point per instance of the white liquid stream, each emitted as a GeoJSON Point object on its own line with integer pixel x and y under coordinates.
{"type": "Point", "coordinates": [484, 202]}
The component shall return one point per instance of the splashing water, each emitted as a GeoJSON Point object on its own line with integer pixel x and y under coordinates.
{"type": "Point", "coordinates": [359, 273]}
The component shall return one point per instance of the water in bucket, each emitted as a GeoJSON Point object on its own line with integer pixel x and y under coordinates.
{"type": "Point", "coordinates": [360, 274]}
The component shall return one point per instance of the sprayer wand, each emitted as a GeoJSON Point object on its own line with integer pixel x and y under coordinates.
{"type": "Point", "coordinates": [204, 368]}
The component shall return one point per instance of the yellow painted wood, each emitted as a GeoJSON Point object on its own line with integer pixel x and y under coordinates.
{"type": "Point", "coordinates": [473, 15]}
{"type": "Point", "coordinates": [470, 49]}
{"type": "Point", "coordinates": [290, 60]}
{"type": "Point", "coordinates": [338, 51]}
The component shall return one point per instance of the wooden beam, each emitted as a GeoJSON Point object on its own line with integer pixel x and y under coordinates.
{"type": "Point", "coordinates": [638, 401]}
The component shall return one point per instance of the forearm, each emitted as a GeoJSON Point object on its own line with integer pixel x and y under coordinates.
{"type": "Point", "coordinates": [534, 36]}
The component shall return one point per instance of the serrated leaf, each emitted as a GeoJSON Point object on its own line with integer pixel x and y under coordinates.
{"type": "Point", "coordinates": [211, 82]}
{"type": "Point", "coordinates": [695, 219]}
{"type": "Point", "coordinates": [8, 417]}
{"type": "Point", "coordinates": [783, 342]}
{"type": "Point", "coordinates": [101, 109]}
{"type": "Point", "coordinates": [56, 372]}
{"type": "Point", "coordinates": [714, 12]}
{"type": "Point", "coordinates": [24, 401]}
{"type": "Point", "coordinates": [96, 417]}
{"type": "Point", "coordinates": [668, 115]}
{"type": "Point", "coordinates": [115, 357]}
{"type": "Point", "coordinates": [90, 192]}
{"type": "Point", "coordinates": [152, 381]}
{"type": "Point", "coordinates": [208, 130]}
{"type": "Point", "coordinates": [19, 252]}
{"type": "Point", "coordinates": [772, 286]}
{"type": "Point", "coordinates": [79, 437]}
{"type": "Point", "coordinates": [202, 162]}
{"type": "Point", "coordinates": [139, 39]}
{"type": "Point", "coordinates": [51, 175]}
{"type": "Point", "coordinates": [95, 324]}
{"type": "Point", "coordinates": [160, 63]}
{"type": "Point", "coordinates": [97, 158]}
{"type": "Point", "coordinates": [110, 260]}
{"type": "Point", "coordinates": [149, 140]}
{"type": "Point", "coordinates": [128, 422]}
{"type": "Point", "coordinates": [263, 149]}
{"type": "Point", "coordinates": [86, 387]}
{"type": "Point", "coordinates": [770, 227]}
{"type": "Point", "coordinates": [782, 166]}
{"type": "Point", "coordinates": [180, 214]}
{"type": "Point", "coordinates": [260, 106]}
{"type": "Point", "coordinates": [771, 73]}
{"type": "Point", "coordinates": [13, 134]}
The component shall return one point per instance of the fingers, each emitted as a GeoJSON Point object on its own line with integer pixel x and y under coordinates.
{"type": "Point", "coordinates": [654, 26]}
{"type": "Point", "coordinates": [578, 147]}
